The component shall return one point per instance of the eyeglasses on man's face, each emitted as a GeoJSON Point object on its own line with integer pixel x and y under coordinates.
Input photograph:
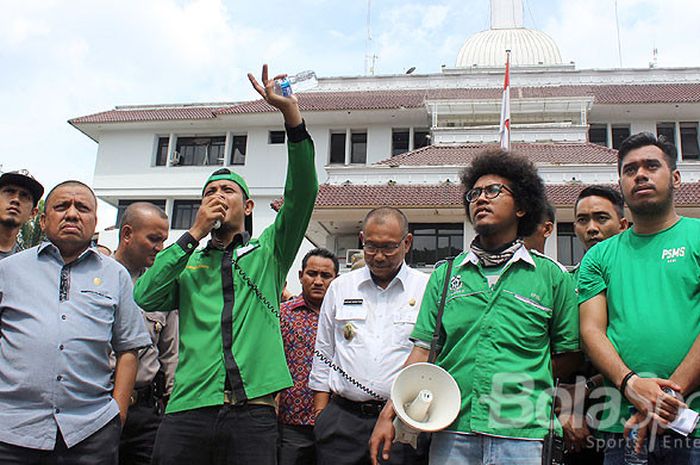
{"type": "Point", "coordinates": [490, 192]}
{"type": "Point", "coordinates": [387, 249]}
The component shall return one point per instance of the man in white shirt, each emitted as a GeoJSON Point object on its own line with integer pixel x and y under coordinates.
{"type": "Point", "coordinates": [366, 319]}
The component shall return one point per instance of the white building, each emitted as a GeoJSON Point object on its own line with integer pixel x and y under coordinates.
{"type": "Point", "coordinates": [401, 140]}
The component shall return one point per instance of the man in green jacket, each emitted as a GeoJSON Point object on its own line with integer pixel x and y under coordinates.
{"type": "Point", "coordinates": [231, 359]}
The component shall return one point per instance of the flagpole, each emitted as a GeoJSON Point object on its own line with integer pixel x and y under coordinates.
{"type": "Point", "coordinates": [504, 127]}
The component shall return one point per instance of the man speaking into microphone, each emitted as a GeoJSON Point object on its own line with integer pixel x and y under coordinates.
{"type": "Point", "coordinates": [231, 360]}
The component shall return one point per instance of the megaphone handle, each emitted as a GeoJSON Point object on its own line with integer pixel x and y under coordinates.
{"type": "Point", "coordinates": [405, 434]}
{"type": "Point", "coordinates": [441, 309]}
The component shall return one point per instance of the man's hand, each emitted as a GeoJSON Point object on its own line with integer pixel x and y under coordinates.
{"type": "Point", "coordinates": [320, 402]}
{"type": "Point", "coordinates": [212, 209]}
{"type": "Point", "coordinates": [124, 378]}
{"type": "Point", "coordinates": [646, 395]}
{"type": "Point", "coordinates": [570, 409]}
{"type": "Point", "coordinates": [643, 424]}
{"type": "Point", "coordinates": [289, 106]}
{"type": "Point", "coordinates": [576, 431]}
{"type": "Point", "coordinates": [383, 434]}
{"type": "Point", "coordinates": [123, 411]}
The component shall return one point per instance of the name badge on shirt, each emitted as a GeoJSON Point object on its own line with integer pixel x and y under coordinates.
{"type": "Point", "coordinates": [352, 302]}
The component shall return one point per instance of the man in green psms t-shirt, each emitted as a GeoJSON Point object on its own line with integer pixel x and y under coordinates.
{"type": "Point", "coordinates": [231, 359]}
{"type": "Point", "coordinates": [639, 296]}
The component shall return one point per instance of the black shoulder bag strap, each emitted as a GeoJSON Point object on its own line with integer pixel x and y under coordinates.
{"type": "Point", "coordinates": [438, 322]}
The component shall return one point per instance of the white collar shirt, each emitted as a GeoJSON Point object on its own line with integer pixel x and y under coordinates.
{"type": "Point", "coordinates": [364, 330]}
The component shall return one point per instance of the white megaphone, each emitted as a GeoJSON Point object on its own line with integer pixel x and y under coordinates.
{"type": "Point", "coordinates": [426, 398]}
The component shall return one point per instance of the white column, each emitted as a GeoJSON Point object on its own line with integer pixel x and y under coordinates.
{"type": "Point", "coordinates": [227, 148]}
{"type": "Point", "coordinates": [679, 147]}
{"type": "Point", "coordinates": [469, 233]}
{"type": "Point", "coordinates": [550, 246]}
{"type": "Point", "coordinates": [348, 145]}
{"type": "Point", "coordinates": [169, 202]}
{"type": "Point", "coordinates": [172, 141]}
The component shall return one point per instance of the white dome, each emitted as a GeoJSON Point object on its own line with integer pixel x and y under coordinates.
{"type": "Point", "coordinates": [528, 48]}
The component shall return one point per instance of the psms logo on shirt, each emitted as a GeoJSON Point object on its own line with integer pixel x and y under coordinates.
{"type": "Point", "coordinates": [670, 255]}
{"type": "Point", "coordinates": [455, 283]}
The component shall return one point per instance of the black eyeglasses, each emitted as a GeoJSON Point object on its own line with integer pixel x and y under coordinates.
{"type": "Point", "coordinates": [386, 249]}
{"type": "Point", "coordinates": [491, 191]}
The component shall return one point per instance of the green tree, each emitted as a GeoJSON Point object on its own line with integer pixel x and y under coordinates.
{"type": "Point", "coordinates": [31, 233]}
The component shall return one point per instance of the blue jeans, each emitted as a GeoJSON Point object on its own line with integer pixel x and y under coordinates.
{"type": "Point", "coordinates": [669, 449]}
{"type": "Point", "coordinates": [459, 449]}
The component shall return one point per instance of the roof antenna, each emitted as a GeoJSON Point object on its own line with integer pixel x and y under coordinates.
{"type": "Point", "coordinates": [619, 43]}
{"type": "Point", "coordinates": [654, 58]}
{"type": "Point", "coordinates": [370, 57]}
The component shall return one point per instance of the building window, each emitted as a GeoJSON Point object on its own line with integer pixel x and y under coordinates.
{"type": "Point", "coordinates": [689, 141]}
{"type": "Point", "coordinates": [162, 151]}
{"type": "Point", "coordinates": [569, 248]}
{"type": "Point", "coordinates": [668, 130]}
{"type": "Point", "coordinates": [276, 137]}
{"type": "Point", "coordinates": [122, 204]}
{"type": "Point", "coordinates": [184, 212]}
{"type": "Point", "coordinates": [238, 144]}
{"type": "Point", "coordinates": [598, 134]}
{"type": "Point", "coordinates": [434, 242]}
{"type": "Point", "coordinates": [399, 141]}
{"type": "Point", "coordinates": [199, 151]}
{"type": "Point", "coordinates": [338, 148]}
{"type": "Point", "coordinates": [620, 132]}
{"type": "Point", "coordinates": [358, 147]}
{"type": "Point", "coordinates": [421, 138]}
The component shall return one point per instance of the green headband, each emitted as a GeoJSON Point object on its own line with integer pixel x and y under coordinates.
{"type": "Point", "coordinates": [230, 176]}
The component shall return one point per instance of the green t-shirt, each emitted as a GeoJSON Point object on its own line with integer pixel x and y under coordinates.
{"type": "Point", "coordinates": [652, 286]}
{"type": "Point", "coordinates": [497, 341]}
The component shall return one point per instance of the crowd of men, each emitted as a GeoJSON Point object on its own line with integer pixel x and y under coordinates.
{"type": "Point", "coordinates": [185, 355]}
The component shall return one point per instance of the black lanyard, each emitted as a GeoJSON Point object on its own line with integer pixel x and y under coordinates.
{"type": "Point", "coordinates": [441, 309]}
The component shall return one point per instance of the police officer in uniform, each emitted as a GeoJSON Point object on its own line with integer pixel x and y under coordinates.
{"type": "Point", "coordinates": [142, 231]}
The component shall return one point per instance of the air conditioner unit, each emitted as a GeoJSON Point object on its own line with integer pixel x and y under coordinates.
{"type": "Point", "coordinates": [349, 253]}
{"type": "Point", "coordinates": [175, 159]}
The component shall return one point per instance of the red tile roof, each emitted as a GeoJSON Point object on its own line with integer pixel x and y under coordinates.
{"type": "Point", "coordinates": [363, 196]}
{"type": "Point", "coordinates": [462, 155]}
{"type": "Point", "coordinates": [130, 114]}
{"type": "Point", "coordinates": [449, 196]}
{"type": "Point", "coordinates": [688, 194]}
{"type": "Point", "coordinates": [327, 101]}
{"type": "Point", "coordinates": [389, 99]}
{"type": "Point", "coordinates": [393, 99]}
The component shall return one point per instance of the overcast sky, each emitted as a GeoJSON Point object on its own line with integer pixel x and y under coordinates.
{"type": "Point", "coordinates": [65, 58]}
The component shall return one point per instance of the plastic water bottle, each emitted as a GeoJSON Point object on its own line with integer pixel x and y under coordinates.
{"type": "Point", "coordinates": [632, 457]}
{"type": "Point", "coordinates": [300, 82]}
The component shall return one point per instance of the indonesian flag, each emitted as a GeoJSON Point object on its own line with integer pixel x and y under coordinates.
{"type": "Point", "coordinates": [504, 128]}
